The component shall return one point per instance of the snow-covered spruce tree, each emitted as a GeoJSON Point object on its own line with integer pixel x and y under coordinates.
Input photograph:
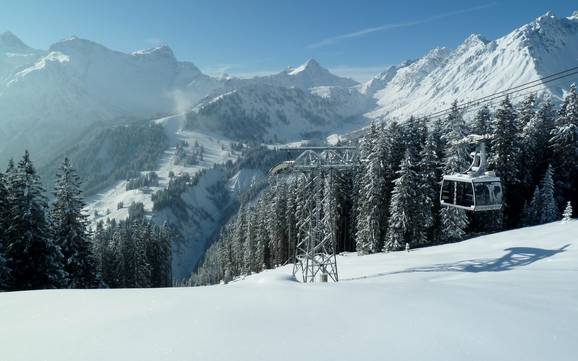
{"type": "Point", "coordinates": [330, 207]}
{"type": "Point", "coordinates": [483, 121]}
{"type": "Point", "coordinates": [158, 255]}
{"type": "Point", "coordinates": [391, 146]}
{"type": "Point", "coordinates": [532, 215]}
{"type": "Point", "coordinates": [250, 244]}
{"type": "Point", "coordinates": [344, 192]}
{"type": "Point", "coordinates": [70, 229]}
{"type": "Point", "coordinates": [526, 117]}
{"type": "Point", "coordinates": [369, 230]}
{"type": "Point", "coordinates": [291, 218]}
{"type": "Point", "coordinates": [262, 242]}
{"type": "Point", "coordinates": [126, 240]}
{"type": "Point", "coordinates": [238, 233]}
{"type": "Point", "coordinates": [224, 253]}
{"type": "Point", "coordinates": [564, 142]}
{"type": "Point", "coordinates": [567, 215]}
{"type": "Point", "coordinates": [454, 220]}
{"type": "Point", "coordinates": [535, 141]}
{"type": "Point", "coordinates": [163, 274]}
{"type": "Point", "coordinates": [5, 273]}
{"type": "Point", "coordinates": [35, 260]}
{"type": "Point", "coordinates": [414, 135]}
{"type": "Point", "coordinates": [549, 209]}
{"type": "Point", "coordinates": [505, 159]}
{"type": "Point", "coordinates": [405, 218]}
{"type": "Point", "coordinates": [142, 238]}
{"type": "Point", "coordinates": [100, 249]}
{"type": "Point", "coordinates": [276, 224]}
{"type": "Point", "coordinates": [429, 172]}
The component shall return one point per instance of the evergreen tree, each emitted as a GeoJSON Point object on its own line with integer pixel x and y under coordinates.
{"type": "Point", "coordinates": [525, 120]}
{"type": "Point", "coordinates": [262, 251]}
{"type": "Point", "coordinates": [535, 139]}
{"type": "Point", "coordinates": [330, 207]}
{"type": "Point", "coordinates": [369, 236]}
{"type": "Point", "coordinates": [125, 239]}
{"type": "Point", "coordinates": [454, 220]}
{"type": "Point", "coordinates": [249, 258]}
{"type": "Point", "coordinates": [163, 270]}
{"type": "Point", "coordinates": [291, 220]}
{"type": "Point", "coordinates": [483, 121]}
{"type": "Point", "coordinates": [5, 273]}
{"type": "Point", "coordinates": [277, 224]}
{"type": "Point", "coordinates": [239, 233]}
{"type": "Point", "coordinates": [567, 215]}
{"type": "Point", "coordinates": [35, 260]}
{"type": "Point", "coordinates": [142, 245]}
{"type": "Point", "coordinates": [532, 216]}
{"type": "Point", "coordinates": [404, 221]}
{"type": "Point", "coordinates": [429, 205]}
{"type": "Point", "coordinates": [70, 230]}
{"type": "Point", "coordinates": [505, 158]}
{"type": "Point", "coordinates": [549, 209]}
{"type": "Point", "coordinates": [564, 142]}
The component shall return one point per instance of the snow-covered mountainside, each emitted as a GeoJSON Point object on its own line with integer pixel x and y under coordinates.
{"type": "Point", "coordinates": [204, 205]}
{"type": "Point", "coordinates": [507, 296]}
{"type": "Point", "coordinates": [14, 54]}
{"type": "Point", "coordinates": [47, 97]}
{"type": "Point", "coordinates": [308, 75]}
{"type": "Point", "coordinates": [479, 67]}
{"type": "Point", "coordinates": [261, 112]}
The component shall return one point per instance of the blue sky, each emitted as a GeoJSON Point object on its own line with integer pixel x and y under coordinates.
{"type": "Point", "coordinates": [355, 38]}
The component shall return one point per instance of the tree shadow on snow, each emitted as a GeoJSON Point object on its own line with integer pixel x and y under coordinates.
{"type": "Point", "coordinates": [514, 258]}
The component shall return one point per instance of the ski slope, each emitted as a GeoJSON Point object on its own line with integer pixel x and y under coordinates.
{"type": "Point", "coordinates": [508, 296]}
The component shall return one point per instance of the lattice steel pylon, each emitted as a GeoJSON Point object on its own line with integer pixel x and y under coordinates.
{"type": "Point", "coordinates": [315, 248]}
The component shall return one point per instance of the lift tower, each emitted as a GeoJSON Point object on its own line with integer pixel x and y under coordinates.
{"type": "Point", "coordinates": [315, 249]}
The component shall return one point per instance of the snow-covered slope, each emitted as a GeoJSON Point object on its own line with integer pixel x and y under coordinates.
{"type": "Point", "coordinates": [507, 296]}
{"type": "Point", "coordinates": [479, 67]}
{"type": "Point", "coordinates": [49, 97]}
{"type": "Point", "coordinates": [14, 54]}
{"type": "Point", "coordinates": [308, 75]}
{"type": "Point", "coordinates": [272, 113]}
{"type": "Point", "coordinates": [204, 205]}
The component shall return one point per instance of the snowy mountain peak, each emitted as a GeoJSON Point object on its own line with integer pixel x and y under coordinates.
{"type": "Point", "coordinates": [77, 45]}
{"type": "Point", "coordinates": [161, 51]}
{"type": "Point", "coordinates": [310, 74]}
{"type": "Point", "coordinates": [311, 66]}
{"type": "Point", "coordinates": [11, 43]}
{"type": "Point", "coordinates": [478, 67]}
{"type": "Point", "coordinates": [437, 53]}
{"type": "Point", "coordinates": [474, 40]}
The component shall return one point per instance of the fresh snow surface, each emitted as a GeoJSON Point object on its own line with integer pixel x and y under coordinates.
{"type": "Point", "coordinates": [507, 296]}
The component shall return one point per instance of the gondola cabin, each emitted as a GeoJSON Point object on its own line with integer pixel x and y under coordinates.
{"type": "Point", "coordinates": [472, 193]}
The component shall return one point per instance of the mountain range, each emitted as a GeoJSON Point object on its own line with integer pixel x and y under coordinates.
{"type": "Point", "coordinates": [50, 97]}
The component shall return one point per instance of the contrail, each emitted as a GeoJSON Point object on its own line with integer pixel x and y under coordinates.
{"type": "Point", "coordinates": [406, 24]}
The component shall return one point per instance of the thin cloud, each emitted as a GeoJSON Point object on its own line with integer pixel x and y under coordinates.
{"type": "Point", "coordinates": [405, 24]}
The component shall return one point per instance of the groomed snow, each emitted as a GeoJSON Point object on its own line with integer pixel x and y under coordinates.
{"type": "Point", "coordinates": [508, 296]}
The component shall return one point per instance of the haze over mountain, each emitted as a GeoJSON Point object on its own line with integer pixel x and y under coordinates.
{"type": "Point", "coordinates": [48, 97]}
